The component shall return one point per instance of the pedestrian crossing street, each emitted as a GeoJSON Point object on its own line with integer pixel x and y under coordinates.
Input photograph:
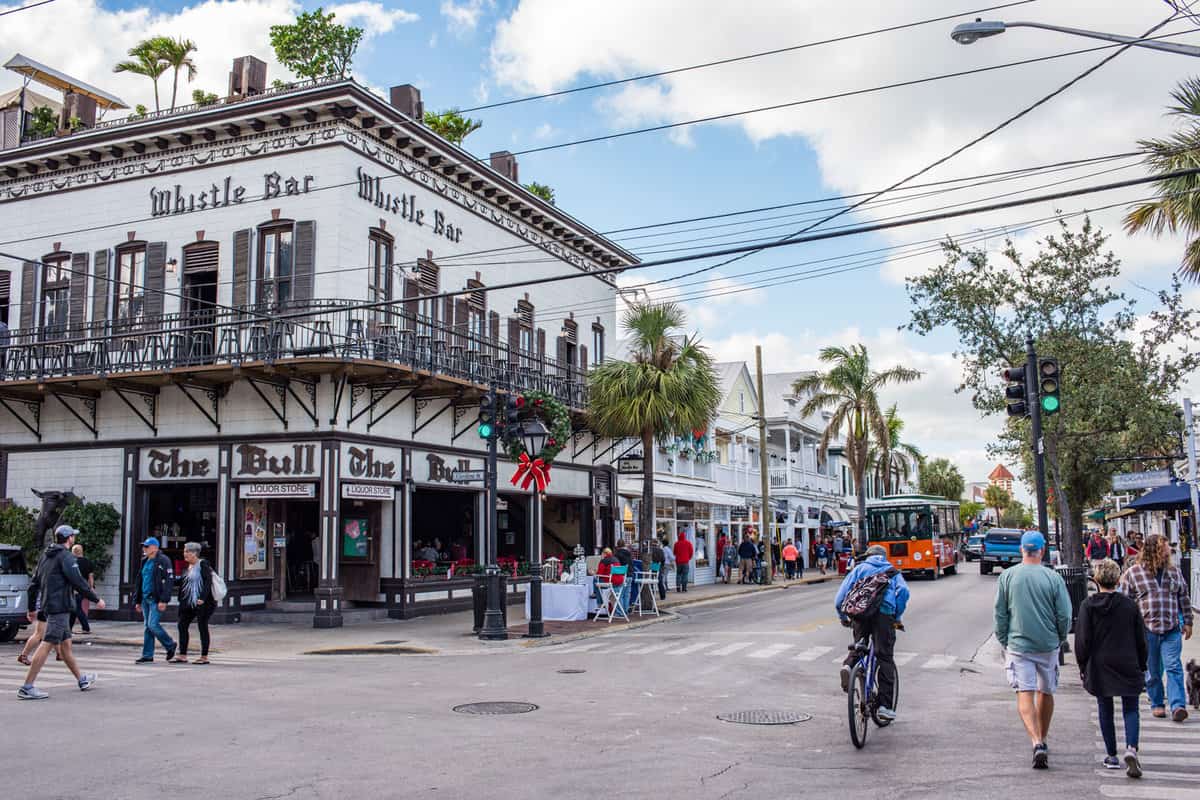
{"type": "Point", "coordinates": [757, 650]}
{"type": "Point", "coordinates": [113, 666]}
{"type": "Point", "coordinates": [1167, 752]}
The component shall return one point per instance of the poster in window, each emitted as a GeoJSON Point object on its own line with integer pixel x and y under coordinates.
{"type": "Point", "coordinates": [354, 538]}
{"type": "Point", "coordinates": [254, 536]}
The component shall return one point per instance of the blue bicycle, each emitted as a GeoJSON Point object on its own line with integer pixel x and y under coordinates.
{"type": "Point", "coordinates": [862, 697]}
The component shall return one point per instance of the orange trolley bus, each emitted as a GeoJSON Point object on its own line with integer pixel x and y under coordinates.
{"type": "Point", "coordinates": [920, 532]}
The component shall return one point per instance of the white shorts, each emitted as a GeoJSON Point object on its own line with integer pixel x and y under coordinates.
{"type": "Point", "coordinates": [1032, 672]}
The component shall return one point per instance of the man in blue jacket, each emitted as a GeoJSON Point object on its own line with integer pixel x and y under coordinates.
{"type": "Point", "coordinates": [881, 626]}
{"type": "Point", "coordinates": [152, 590]}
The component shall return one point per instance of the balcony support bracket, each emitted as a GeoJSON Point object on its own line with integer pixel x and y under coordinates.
{"type": "Point", "coordinates": [87, 406]}
{"type": "Point", "coordinates": [32, 419]}
{"type": "Point", "coordinates": [279, 405]}
{"type": "Point", "coordinates": [459, 413]}
{"type": "Point", "coordinates": [211, 409]}
{"type": "Point", "coordinates": [423, 403]}
{"type": "Point", "coordinates": [147, 398]}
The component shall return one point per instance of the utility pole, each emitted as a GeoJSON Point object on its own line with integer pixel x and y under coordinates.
{"type": "Point", "coordinates": [1033, 392]}
{"type": "Point", "coordinates": [768, 516]}
{"type": "Point", "coordinates": [1189, 430]}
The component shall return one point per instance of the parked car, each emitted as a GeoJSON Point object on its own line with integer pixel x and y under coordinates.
{"type": "Point", "coordinates": [14, 591]}
{"type": "Point", "coordinates": [1001, 548]}
{"type": "Point", "coordinates": [974, 547]}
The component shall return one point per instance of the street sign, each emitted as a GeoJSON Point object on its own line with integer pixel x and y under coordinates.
{"type": "Point", "coordinates": [1141, 480]}
{"type": "Point", "coordinates": [630, 465]}
{"type": "Point", "coordinates": [466, 475]}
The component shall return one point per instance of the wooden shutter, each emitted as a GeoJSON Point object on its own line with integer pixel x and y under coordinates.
{"type": "Point", "coordinates": [447, 318]}
{"type": "Point", "coordinates": [461, 329]}
{"type": "Point", "coordinates": [411, 291]}
{"type": "Point", "coordinates": [241, 268]}
{"type": "Point", "coordinates": [101, 288]}
{"type": "Point", "coordinates": [583, 362]}
{"type": "Point", "coordinates": [514, 340]}
{"type": "Point", "coordinates": [561, 356]}
{"type": "Point", "coordinates": [304, 266]}
{"type": "Point", "coordinates": [156, 274]}
{"type": "Point", "coordinates": [541, 348]}
{"type": "Point", "coordinates": [79, 276]}
{"type": "Point", "coordinates": [28, 301]}
{"type": "Point", "coordinates": [494, 326]}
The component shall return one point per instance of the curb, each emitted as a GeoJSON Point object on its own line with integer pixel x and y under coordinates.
{"type": "Point", "coordinates": [664, 616]}
{"type": "Point", "coordinates": [753, 590]}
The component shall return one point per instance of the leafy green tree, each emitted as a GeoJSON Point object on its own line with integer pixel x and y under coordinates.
{"type": "Point", "coordinates": [1016, 515]}
{"type": "Point", "coordinates": [451, 125]}
{"type": "Point", "coordinates": [667, 387]}
{"type": "Point", "coordinates": [43, 121]}
{"type": "Point", "coordinates": [541, 190]}
{"type": "Point", "coordinates": [940, 477]}
{"type": "Point", "coordinates": [1121, 365]}
{"type": "Point", "coordinates": [850, 390]}
{"type": "Point", "coordinates": [997, 498]}
{"type": "Point", "coordinates": [1175, 207]}
{"type": "Point", "coordinates": [892, 462]}
{"type": "Point", "coordinates": [98, 524]}
{"type": "Point", "coordinates": [145, 60]}
{"type": "Point", "coordinates": [315, 46]}
{"type": "Point", "coordinates": [968, 510]}
{"type": "Point", "coordinates": [139, 111]}
{"type": "Point", "coordinates": [18, 526]}
{"type": "Point", "coordinates": [176, 54]}
{"type": "Point", "coordinates": [203, 98]}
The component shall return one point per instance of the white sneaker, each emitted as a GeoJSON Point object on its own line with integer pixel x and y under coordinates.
{"type": "Point", "coordinates": [32, 693]}
{"type": "Point", "coordinates": [87, 681]}
{"type": "Point", "coordinates": [886, 713]}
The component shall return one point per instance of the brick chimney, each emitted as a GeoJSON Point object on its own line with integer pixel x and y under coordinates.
{"type": "Point", "coordinates": [249, 76]}
{"type": "Point", "coordinates": [505, 163]}
{"type": "Point", "coordinates": [407, 99]}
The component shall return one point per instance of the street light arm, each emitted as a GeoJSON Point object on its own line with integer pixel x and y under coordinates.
{"type": "Point", "coordinates": [1168, 47]}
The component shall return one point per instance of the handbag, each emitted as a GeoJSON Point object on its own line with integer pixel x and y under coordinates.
{"type": "Point", "coordinates": [219, 589]}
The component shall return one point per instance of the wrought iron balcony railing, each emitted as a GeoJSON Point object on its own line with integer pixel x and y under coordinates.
{"type": "Point", "coordinates": [320, 332]}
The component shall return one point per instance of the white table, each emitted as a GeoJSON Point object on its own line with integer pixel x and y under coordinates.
{"type": "Point", "coordinates": [565, 601]}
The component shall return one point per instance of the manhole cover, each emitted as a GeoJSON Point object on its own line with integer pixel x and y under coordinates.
{"type": "Point", "coordinates": [486, 709]}
{"type": "Point", "coordinates": [765, 717]}
{"type": "Point", "coordinates": [571, 671]}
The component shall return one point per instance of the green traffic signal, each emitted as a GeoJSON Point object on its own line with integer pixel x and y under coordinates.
{"type": "Point", "coordinates": [1050, 404]}
{"type": "Point", "coordinates": [1050, 384]}
{"type": "Point", "coordinates": [485, 430]}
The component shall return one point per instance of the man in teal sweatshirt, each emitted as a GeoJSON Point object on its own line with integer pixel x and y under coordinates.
{"type": "Point", "coordinates": [1033, 618]}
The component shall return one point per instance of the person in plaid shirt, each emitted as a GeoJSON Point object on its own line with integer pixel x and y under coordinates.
{"type": "Point", "coordinates": [1161, 593]}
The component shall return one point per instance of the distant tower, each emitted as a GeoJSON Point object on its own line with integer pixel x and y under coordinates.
{"type": "Point", "coordinates": [1001, 477]}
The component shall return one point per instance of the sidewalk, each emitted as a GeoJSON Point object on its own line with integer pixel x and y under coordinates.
{"type": "Point", "coordinates": [442, 634]}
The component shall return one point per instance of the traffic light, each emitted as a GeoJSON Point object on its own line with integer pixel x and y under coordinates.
{"type": "Point", "coordinates": [1014, 394]}
{"type": "Point", "coordinates": [487, 416]}
{"type": "Point", "coordinates": [1048, 385]}
{"type": "Point", "coordinates": [512, 415]}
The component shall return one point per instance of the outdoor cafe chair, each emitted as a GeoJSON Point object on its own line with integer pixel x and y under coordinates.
{"type": "Point", "coordinates": [610, 591]}
{"type": "Point", "coordinates": [647, 584]}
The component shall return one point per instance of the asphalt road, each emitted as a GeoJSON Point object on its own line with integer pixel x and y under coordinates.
{"type": "Point", "coordinates": [638, 721]}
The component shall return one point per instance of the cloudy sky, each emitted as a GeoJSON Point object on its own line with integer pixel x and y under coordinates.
{"type": "Point", "coordinates": [467, 53]}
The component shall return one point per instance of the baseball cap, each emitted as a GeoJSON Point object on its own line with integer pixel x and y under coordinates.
{"type": "Point", "coordinates": [64, 532]}
{"type": "Point", "coordinates": [153, 540]}
{"type": "Point", "coordinates": [1032, 541]}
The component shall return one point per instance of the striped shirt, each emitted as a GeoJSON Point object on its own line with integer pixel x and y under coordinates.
{"type": "Point", "coordinates": [1161, 600]}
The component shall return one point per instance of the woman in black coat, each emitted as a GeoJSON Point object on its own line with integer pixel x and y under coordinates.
{"type": "Point", "coordinates": [1110, 647]}
{"type": "Point", "coordinates": [196, 602]}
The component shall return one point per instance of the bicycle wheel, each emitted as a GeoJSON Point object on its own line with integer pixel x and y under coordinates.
{"type": "Point", "coordinates": [857, 706]}
{"type": "Point", "coordinates": [883, 723]}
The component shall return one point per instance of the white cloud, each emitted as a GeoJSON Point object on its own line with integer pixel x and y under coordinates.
{"type": "Point", "coordinates": [89, 38]}
{"type": "Point", "coordinates": [866, 142]}
{"type": "Point", "coordinates": [465, 14]}
{"type": "Point", "coordinates": [544, 131]}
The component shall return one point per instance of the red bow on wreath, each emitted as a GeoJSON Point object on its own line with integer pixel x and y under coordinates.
{"type": "Point", "coordinates": [532, 470]}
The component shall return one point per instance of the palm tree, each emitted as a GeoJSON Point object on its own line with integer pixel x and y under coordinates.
{"type": "Point", "coordinates": [893, 462]}
{"type": "Point", "coordinates": [667, 387]}
{"type": "Point", "coordinates": [940, 477]}
{"type": "Point", "coordinates": [145, 60]}
{"type": "Point", "coordinates": [997, 498]}
{"type": "Point", "coordinates": [176, 54]}
{"type": "Point", "coordinates": [850, 390]}
{"type": "Point", "coordinates": [1175, 208]}
{"type": "Point", "coordinates": [451, 125]}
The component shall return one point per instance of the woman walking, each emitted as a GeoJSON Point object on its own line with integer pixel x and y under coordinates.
{"type": "Point", "coordinates": [195, 602]}
{"type": "Point", "coordinates": [1110, 647]}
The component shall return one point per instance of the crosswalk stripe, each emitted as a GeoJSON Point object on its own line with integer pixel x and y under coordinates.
{"type": "Point", "coordinates": [1187, 777]}
{"type": "Point", "coordinates": [770, 651]}
{"type": "Point", "coordinates": [939, 662]}
{"type": "Point", "coordinates": [1150, 759]}
{"type": "Point", "coordinates": [653, 648]}
{"type": "Point", "coordinates": [1161, 747]}
{"type": "Point", "coordinates": [580, 648]}
{"type": "Point", "coordinates": [691, 648]}
{"type": "Point", "coordinates": [1126, 792]}
{"type": "Point", "coordinates": [904, 658]}
{"type": "Point", "coordinates": [730, 649]}
{"type": "Point", "coordinates": [811, 654]}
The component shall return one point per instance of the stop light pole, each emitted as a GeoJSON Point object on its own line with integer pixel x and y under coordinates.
{"type": "Point", "coordinates": [493, 615]}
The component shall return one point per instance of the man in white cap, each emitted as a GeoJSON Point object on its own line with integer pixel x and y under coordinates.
{"type": "Point", "coordinates": [1033, 618]}
{"type": "Point", "coordinates": [56, 581]}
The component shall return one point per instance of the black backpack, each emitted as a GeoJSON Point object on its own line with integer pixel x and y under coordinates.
{"type": "Point", "coordinates": [865, 597]}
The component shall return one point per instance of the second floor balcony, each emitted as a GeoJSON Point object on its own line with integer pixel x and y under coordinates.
{"type": "Point", "coordinates": [307, 339]}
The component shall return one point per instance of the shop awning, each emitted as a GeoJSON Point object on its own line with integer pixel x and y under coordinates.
{"type": "Point", "coordinates": [1172, 497]}
{"type": "Point", "coordinates": [1124, 512]}
{"type": "Point", "coordinates": [698, 494]}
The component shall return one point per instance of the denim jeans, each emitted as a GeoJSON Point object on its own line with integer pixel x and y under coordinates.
{"type": "Point", "coordinates": [681, 576]}
{"type": "Point", "coordinates": [1129, 712]}
{"type": "Point", "coordinates": [662, 582]}
{"type": "Point", "coordinates": [1165, 653]}
{"type": "Point", "coordinates": [154, 630]}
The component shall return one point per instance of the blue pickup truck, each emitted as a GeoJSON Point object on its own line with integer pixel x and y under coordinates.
{"type": "Point", "coordinates": [1001, 548]}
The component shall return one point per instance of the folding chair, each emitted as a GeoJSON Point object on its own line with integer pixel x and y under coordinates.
{"type": "Point", "coordinates": [647, 583]}
{"type": "Point", "coordinates": [615, 591]}
{"type": "Point", "coordinates": [608, 592]}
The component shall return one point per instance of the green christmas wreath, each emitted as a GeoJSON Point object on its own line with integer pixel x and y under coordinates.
{"type": "Point", "coordinates": [557, 419]}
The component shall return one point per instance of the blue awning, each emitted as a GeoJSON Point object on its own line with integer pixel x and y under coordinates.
{"type": "Point", "coordinates": [1172, 497]}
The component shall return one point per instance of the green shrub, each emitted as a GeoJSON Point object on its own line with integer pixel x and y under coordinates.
{"type": "Point", "coordinates": [17, 527]}
{"type": "Point", "coordinates": [97, 524]}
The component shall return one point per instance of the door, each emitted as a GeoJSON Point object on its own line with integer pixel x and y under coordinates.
{"type": "Point", "coordinates": [200, 312]}
{"type": "Point", "coordinates": [358, 549]}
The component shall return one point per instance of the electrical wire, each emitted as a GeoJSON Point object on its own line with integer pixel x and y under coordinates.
{"type": "Point", "coordinates": [735, 59]}
{"type": "Point", "coordinates": [24, 7]}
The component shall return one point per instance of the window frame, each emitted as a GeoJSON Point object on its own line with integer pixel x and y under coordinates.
{"type": "Point", "coordinates": [267, 232]}
{"type": "Point", "coordinates": [56, 265]}
{"type": "Point", "coordinates": [597, 354]}
{"type": "Point", "coordinates": [130, 292]}
{"type": "Point", "coordinates": [380, 245]}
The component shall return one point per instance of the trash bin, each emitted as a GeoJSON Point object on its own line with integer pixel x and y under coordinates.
{"type": "Point", "coordinates": [1076, 579]}
{"type": "Point", "coordinates": [843, 563]}
{"type": "Point", "coordinates": [479, 599]}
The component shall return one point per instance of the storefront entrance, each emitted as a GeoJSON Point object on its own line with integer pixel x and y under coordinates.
{"type": "Point", "coordinates": [359, 539]}
{"type": "Point", "coordinates": [179, 513]}
{"type": "Point", "coordinates": [279, 540]}
{"type": "Point", "coordinates": [443, 531]}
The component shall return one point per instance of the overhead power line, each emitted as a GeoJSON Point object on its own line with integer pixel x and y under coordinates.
{"type": "Point", "coordinates": [736, 59]}
{"type": "Point", "coordinates": [24, 7]}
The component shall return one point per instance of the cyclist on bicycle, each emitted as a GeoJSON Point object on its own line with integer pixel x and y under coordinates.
{"type": "Point", "coordinates": [881, 625]}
